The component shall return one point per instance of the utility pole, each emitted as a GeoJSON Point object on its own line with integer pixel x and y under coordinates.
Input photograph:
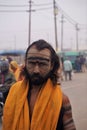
{"type": "Point", "coordinates": [29, 35]}
{"type": "Point", "coordinates": [77, 29]}
{"type": "Point", "coordinates": [55, 23]}
{"type": "Point", "coordinates": [62, 22]}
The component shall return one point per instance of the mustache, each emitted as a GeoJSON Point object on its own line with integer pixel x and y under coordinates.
{"type": "Point", "coordinates": [36, 75]}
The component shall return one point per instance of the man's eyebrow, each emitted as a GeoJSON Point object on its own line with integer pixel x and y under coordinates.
{"type": "Point", "coordinates": [38, 58]}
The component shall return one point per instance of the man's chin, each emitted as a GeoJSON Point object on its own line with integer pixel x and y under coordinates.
{"type": "Point", "coordinates": [39, 80]}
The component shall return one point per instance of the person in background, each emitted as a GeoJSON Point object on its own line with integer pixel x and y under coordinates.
{"type": "Point", "coordinates": [67, 66]}
{"type": "Point", "coordinates": [60, 72]}
{"type": "Point", "coordinates": [37, 102]}
{"type": "Point", "coordinates": [82, 62]}
{"type": "Point", "coordinates": [15, 69]}
{"type": "Point", "coordinates": [78, 64]}
{"type": "Point", "coordinates": [6, 77]}
{"type": "Point", "coordinates": [9, 59]}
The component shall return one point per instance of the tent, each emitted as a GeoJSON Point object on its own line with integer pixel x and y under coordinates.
{"type": "Point", "coordinates": [12, 52]}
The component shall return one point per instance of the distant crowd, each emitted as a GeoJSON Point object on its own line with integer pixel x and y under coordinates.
{"type": "Point", "coordinates": [67, 68]}
{"type": "Point", "coordinates": [80, 64]}
{"type": "Point", "coordinates": [10, 72]}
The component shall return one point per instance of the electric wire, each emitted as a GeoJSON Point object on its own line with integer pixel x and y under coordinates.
{"type": "Point", "coordinates": [66, 16]}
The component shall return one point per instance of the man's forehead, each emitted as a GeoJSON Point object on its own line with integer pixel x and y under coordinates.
{"type": "Point", "coordinates": [41, 53]}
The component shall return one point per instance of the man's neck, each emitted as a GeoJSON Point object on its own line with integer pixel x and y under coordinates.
{"type": "Point", "coordinates": [32, 97]}
{"type": "Point", "coordinates": [36, 87]}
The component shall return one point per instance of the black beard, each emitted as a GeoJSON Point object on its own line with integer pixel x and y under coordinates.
{"type": "Point", "coordinates": [37, 79]}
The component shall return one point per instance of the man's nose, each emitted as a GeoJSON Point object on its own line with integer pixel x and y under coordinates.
{"type": "Point", "coordinates": [36, 68]}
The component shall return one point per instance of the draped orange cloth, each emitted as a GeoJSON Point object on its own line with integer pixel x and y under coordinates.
{"type": "Point", "coordinates": [15, 65]}
{"type": "Point", "coordinates": [17, 73]}
{"type": "Point", "coordinates": [46, 110]}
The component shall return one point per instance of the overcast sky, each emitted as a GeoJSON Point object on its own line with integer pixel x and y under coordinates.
{"type": "Point", "coordinates": [14, 26]}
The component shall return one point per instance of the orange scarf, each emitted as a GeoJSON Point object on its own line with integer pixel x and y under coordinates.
{"type": "Point", "coordinates": [17, 73]}
{"type": "Point", "coordinates": [46, 110]}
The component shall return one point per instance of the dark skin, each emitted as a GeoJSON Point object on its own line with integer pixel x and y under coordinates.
{"type": "Point", "coordinates": [33, 94]}
{"type": "Point", "coordinates": [36, 65]}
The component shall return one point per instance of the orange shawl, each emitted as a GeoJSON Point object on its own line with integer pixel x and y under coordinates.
{"type": "Point", "coordinates": [17, 73]}
{"type": "Point", "coordinates": [46, 110]}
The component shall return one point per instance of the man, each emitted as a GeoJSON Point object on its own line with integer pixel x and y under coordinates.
{"type": "Point", "coordinates": [9, 59]}
{"type": "Point", "coordinates": [67, 69]}
{"type": "Point", "coordinates": [37, 102]}
{"type": "Point", "coordinates": [82, 62]}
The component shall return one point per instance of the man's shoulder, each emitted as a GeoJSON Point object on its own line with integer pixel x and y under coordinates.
{"type": "Point", "coordinates": [16, 86]}
{"type": "Point", "coordinates": [66, 62]}
{"type": "Point", "coordinates": [66, 101]}
{"type": "Point", "coordinates": [68, 121]}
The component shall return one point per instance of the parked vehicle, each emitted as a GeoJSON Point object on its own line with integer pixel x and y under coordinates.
{"type": "Point", "coordinates": [71, 55]}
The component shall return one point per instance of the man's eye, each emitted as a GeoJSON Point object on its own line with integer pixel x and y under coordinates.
{"type": "Point", "coordinates": [31, 63]}
{"type": "Point", "coordinates": [42, 64]}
